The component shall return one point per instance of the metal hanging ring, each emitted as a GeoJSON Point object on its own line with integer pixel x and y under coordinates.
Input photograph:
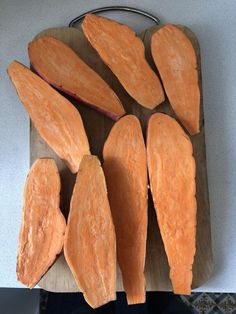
{"type": "Point", "coordinates": [115, 8]}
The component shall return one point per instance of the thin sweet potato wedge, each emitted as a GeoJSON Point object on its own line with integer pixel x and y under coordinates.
{"type": "Point", "coordinates": [55, 118]}
{"type": "Point", "coordinates": [125, 169]}
{"type": "Point", "coordinates": [43, 225]}
{"type": "Point", "coordinates": [176, 61]}
{"type": "Point", "coordinates": [171, 167]}
{"type": "Point", "coordinates": [90, 244]}
{"type": "Point", "coordinates": [123, 52]}
{"type": "Point", "coordinates": [60, 66]}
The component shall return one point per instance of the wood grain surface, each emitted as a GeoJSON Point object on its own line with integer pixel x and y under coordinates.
{"type": "Point", "coordinates": [59, 277]}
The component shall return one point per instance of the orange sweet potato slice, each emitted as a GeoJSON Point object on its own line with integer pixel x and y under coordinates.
{"type": "Point", "coordinates": [123, 52]}
{"type": "Point", "coordinates": [60, 66]}
{"type": "Point", "coordinates": [56, 119]}
{"type": "Point", "coordinates": [176, 61]}
{"type": "Point", "coordinates": [172, 177]}
{"type": "Point", "coordinates": [43, 225]}
{"type": "Point", "coordinates": [125, 169]}
{"type": "Point", "coordinates": [90, 244]}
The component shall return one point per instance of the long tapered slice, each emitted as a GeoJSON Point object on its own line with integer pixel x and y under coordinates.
{"type": "Point", "coordinates": [125, 170]}
{"type": "Point", "coordinates": [176, 61]}
{"type": "Point", "coordinates": [172, 176]}
{"type": "Point", "coordinates": [43, 225]}
{"type": "Point", "coordinates": [56, 119]}
{"type": "Point", "coordinates": [59, 65]}
{"type": "Point", "coordinates": [123, 52]}
{"type": "Point", "coordinates": [90, 244]}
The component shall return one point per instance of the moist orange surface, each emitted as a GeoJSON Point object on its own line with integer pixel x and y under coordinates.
{"type": "Point", "coordinates": [43, 225]}
{"type": "Point", "coordinates": [55, 118]}
{"type": "Point", "coordinates": [176, 61]}
{"type": "Point", "coordinates": [125, 169]}
{"type": "Point", "coordinates": [90, 244]}
{"type": "Point", "coordinates": [123, 52]}
{"type": "Point", "coordinates": [58, 64]}
{"type": "Point", "coordinates": [171, 169]}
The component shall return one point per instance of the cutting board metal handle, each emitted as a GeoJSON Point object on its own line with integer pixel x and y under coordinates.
{"type": "Point", "coordinates": [152, 17]}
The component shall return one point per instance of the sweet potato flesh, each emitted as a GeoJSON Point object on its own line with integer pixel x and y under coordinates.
{"type": "Point", "coordinates": [123, 52]}
{"type": "Point", "coordinates": [55, 118]}
{"type": "Point", "coordinates": [172, 176]}
{"type": "Point", "coordinates": [125, 170]}
{"type": "Point", "coordinates": [90, 245]}
{"type": "Point", "coordinates": [59, 65]}
{"type": "Point", "coordinates": [176, 61]}
{"type": "Point", "coordinates": [43, 225]}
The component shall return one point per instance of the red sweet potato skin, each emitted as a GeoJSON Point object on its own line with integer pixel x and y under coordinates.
{"type": "Point", "coordinates": [60, 66]}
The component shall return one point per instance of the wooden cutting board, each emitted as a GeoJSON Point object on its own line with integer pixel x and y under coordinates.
{"type": "Point", "coordinates": [59, 277]}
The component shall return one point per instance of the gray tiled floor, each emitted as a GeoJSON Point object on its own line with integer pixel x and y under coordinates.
{"type": "Point", "coordinates": [212, 303]}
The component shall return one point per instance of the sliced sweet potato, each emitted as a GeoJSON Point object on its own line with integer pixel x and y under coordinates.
{"type": "Point", "coordinates": [176, 61]}
{"type": "Point", "coordinates": [123, 52]}
{"type": "Point", "coordinates": [172, 176]}
{"type": "Point", "coordinates": [43, 225]}
{"type": "Point", "coordinates": [125, 169]}
{"type": "Point", "coordinates": [56, 119]}
{"type": "Point", "coordinates": [60, 66]}
{"type": "Point", "coordinates": [90, 244]}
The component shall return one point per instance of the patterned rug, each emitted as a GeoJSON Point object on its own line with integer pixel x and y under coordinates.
{"type": "Point", "coordinates": [211, 303]}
